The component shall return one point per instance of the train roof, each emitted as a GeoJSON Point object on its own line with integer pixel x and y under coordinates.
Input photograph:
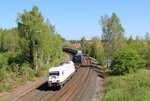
{"type": "Point", "coordinates": [62, 66]}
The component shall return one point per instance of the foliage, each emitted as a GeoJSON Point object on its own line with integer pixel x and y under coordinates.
{"type": "Point", "coordinates": [3, 73]}
{"type": "Point", "coordinates": [145, 49]}
{"type": "Point", "coordinates": [113, 34]}
{"type": "Point", "coordinates": [66, 43]}
{"type": "Point", "coordinates": [30, 24]}
{"type": "Point", "coordinates": [141, 46]}
{"type": "Point", "coordinates": [97, 50]}
{"type": "Point", "coordinates": [125, 61]}
{"type": "Point", "coordinates": [94, 49]}
{"type": "Point", "coordinates": [85, 46]}
{"type": "Point", "coordinates": [25, 50]}
{"type": "Point", "coordinates": [131, 87]}
{"type": "Point", "coordinates": [38, 39]}
{"type": "Point", "coordinates": [127, 55]}
{"type": "Point", "coordinates": [27, 72]}
{"type": "Point", "coordinates": [83, 42]}
{"type": "Point", "coordinates": [8, 40]}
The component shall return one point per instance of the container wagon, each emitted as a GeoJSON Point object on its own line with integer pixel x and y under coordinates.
{"type": "Point", "coordinates": [72, 51]}
{"type": "Point", "coordinates": [57, 76]}
{"type": "Point", "coordinates": [77, 58]}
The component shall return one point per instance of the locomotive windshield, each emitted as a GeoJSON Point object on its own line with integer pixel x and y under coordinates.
{"type": "Point", "coordinates": [54, 73]}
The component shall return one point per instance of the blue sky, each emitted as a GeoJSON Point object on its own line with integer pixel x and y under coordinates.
{"type": "Point", "coordinates": [74, 19]}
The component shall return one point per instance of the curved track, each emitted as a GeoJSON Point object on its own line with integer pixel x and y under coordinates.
{"type": "Point", "coordinates": [73, 90]}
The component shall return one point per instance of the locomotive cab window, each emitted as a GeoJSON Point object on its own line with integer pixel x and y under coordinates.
{"type": "Point", "coordinates": [54, 74]}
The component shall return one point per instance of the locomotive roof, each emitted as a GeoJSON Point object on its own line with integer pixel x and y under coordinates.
{"type": "Point", "coordinates": [61, 67]}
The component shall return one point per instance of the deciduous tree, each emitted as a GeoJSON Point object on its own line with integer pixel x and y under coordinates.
{"type": "Point", "coordinates": [113, 34]}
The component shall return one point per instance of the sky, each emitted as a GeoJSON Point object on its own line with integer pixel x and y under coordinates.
{"type": "Point", "coordinates": [74, 19]}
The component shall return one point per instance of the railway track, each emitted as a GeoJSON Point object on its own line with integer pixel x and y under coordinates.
{"type": "Point", "coordinates": [85, 61]}
{"type": "Point", "coordinates": [73, 90]}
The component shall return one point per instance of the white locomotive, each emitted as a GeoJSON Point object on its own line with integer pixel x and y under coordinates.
{"type": "Point", "coordinates": [57, 76]}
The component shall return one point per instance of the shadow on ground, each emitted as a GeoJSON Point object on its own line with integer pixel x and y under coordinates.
{"type": "Point", "coordinates": [44, 87]}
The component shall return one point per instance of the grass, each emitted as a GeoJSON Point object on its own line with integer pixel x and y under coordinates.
{"type": "Point", "coordinates": [131, 87]}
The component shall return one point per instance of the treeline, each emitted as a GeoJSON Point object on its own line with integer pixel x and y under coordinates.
{"type": "Point", "coordinates": [30, 47]}
{"type": "Point", "coordinates": [94, 49]}
{"type": "Point", "coordinates": [120, 54]}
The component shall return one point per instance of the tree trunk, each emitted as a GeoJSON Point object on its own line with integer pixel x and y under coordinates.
{"type": "Point", "coordinates": [36, 60]}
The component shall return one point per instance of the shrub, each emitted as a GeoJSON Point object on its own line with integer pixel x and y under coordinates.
{"type": "Point", "coordinates": [27, 71]}
{"type": "Point", "coordinates": [125, 61]}
{"type": "Point", "coordinates": [3, 73]}
{"type": "Point", "coordinates": [3, 58]}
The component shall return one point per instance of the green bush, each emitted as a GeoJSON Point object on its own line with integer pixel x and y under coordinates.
{"type": "Point", "coordinates": [27, 71]}
{"type": "Point", "coordinates": [3, 73]}
{"type": "Point", "coordinates": [3, 58]}
{"type": "Point", "coordinates": [125, 61]}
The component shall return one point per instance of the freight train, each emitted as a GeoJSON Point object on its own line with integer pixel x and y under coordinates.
{"type": "Point", "coordinates": [58, 75]}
